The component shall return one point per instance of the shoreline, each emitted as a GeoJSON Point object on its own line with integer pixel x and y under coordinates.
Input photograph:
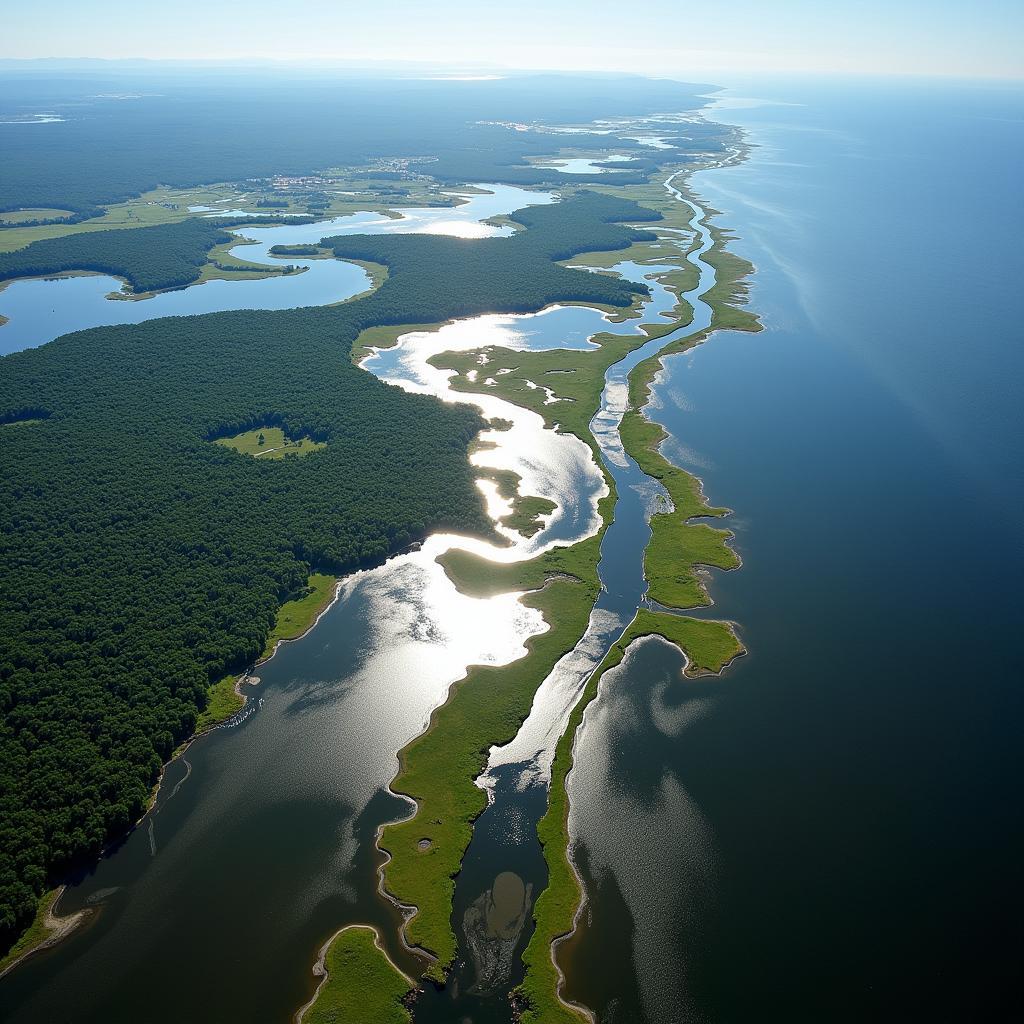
{"type": "Point", "coordinates": [558, 940]}
{"type": "Point", "coordinates": [321, 970]}
{"type": "Point", "coordinates": [57, 929]}
{"type": "Point", "coordinates": [570, 859]}
{"type": "Point", "coordinates": [246, 679]}
{"type": "Point", "coordinates": [412, 909]}
{"type": "Point", "coordinates": [473, 718]}
{"type": "Point", "coordinates": [208, 271]}
{"type": "Point", "coordinates": [58, 922]}
{"type": "Point", "coordinates": [640, 390]}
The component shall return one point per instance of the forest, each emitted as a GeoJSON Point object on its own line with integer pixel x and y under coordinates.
{"type": "Point", "coordinates": [149, 258]}
{"type": "Point", "coordinates": [141, 562]}
{"type": "Point", "coordinates": [507, 275]}
{"type": "Point", "coordinates": [163, 256]}
{"type": "Point", "coordinates": [235, 128]}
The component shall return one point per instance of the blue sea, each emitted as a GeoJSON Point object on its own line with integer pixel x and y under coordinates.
{"type": "Point", "coordinates": [833, 831]}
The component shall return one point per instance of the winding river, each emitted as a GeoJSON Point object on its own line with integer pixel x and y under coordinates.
{"type": "Point", "coordinates": [41, 309]}
{"type": "Point", "coordinates": [262, 840]}
{"type": "Point", "coordinates": [504, 838]}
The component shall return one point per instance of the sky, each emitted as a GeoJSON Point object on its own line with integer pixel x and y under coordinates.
{"type": "Point", "coordinates": [983, 38]}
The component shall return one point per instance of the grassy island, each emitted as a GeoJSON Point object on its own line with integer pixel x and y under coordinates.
{"type": "Point", "coordinates": [709, 647]}
{"type": "Point", "coordinates": [438, 768]}
{"type": "Point", "coordinates": [149, 259]}
{"type": "Point", "coordinates": [486, 707]}
{"type": "Point", "coordinates": [676, 548]}
{"type": "Point", "coordinates": [360, 983]}
{"type": "Point", "coordinates": [184, 551]}
{"type": "Point", "coordinates": [528, 510]}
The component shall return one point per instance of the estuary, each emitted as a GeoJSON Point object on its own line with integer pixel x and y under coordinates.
{"type": "Point", "coordinates": [310, 759]}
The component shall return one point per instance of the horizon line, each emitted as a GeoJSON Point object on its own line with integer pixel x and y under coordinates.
{"type": "Point", "coordinates": [494, 70]}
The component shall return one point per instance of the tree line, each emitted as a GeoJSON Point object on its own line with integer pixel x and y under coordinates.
{"type": "Point", "coordinates": [140, 562]}
{"type": "Point", "coordinates": [107, 151]}
{"type": "Point", "coordinates": [149, 258]}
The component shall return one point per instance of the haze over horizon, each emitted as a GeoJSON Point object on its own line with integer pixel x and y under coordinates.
{"type": "Point", "coordinates": [510, 513]}
{"type": "Point", "coordinates": [939, 38]}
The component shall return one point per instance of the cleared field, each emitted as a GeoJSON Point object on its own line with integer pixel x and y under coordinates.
{"type": "Point", "coordinates": [20, 216]}
{"type": "Point", "coordinates": [270, 443]}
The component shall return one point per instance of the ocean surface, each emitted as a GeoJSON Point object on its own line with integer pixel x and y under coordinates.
{"type": "Point", "coordinates": [829, 832]}
{"type": "Point", "coordinates": [832, 831]}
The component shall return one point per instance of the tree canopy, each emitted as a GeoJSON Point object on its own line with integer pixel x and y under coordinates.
{"type": "Point", "coordinates": [140, 562]}
{"type": "Point", "coordinates": [108, 149]}
{"type": "Point", "coordinates": [149, 258]}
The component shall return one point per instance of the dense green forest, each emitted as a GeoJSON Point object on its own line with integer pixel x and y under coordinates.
{"type": "Point", "coordinates": [302, 249]}
{"type": "Point", "coordinates": [230, 128]}
{"type": "Point", "coordinates": [140, 561]}
{"type": "Point", "coordinates": [523, 262]}
{"type": "Point", "coordinates": [162, 256]}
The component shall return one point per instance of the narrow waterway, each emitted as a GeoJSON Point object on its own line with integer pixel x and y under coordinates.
{"type": "Point", "coordinates": [262, 839]}
{"type": "Point", "coordinates": [505, 855]}
{"type": "Point", "coordinates": [261, 843]}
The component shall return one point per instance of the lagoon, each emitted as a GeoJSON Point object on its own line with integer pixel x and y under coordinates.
{"type": "Point", "coordinates": [262, 839]}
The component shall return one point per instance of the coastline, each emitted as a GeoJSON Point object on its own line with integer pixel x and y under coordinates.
{"type": "Point", "coordinates": [415, 932]}
{"type": "Point", "coordinates": [58, 927]}
{"type": "Point", "coordinates": [394, 977]}
{"type": "Point", "coordinates": [566, 890]}
{"type": "Point", "coordinates": [239, 692]}
{"type": "Point", "coordinates": [54, 929]}
{"type": "Point", "coordinates": [246, 679]}
{"type": "Point", "coordinates": [562, 584]}
{"type": "Point", "coordinates": [560, 905]}
{"type": "Point", "coordinates": [212, 270]}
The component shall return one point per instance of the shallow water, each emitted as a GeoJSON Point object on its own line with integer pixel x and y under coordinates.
{"type": "Point", "coordinates": [299, 781]}
{"type": "Point", "coordinates": [265, 829]}
{"type": "Point", "coordinates": [829, 832]}
{"type": "Point", "coordinates": [517, 775]}
{"type": "Point", "coordinates": [584, 165]}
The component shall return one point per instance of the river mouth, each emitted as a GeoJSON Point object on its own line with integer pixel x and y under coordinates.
{"type": "Point", "coordinates": [302, 778]}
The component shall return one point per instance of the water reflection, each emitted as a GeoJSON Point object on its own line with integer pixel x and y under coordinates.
{"type": "Point", "coordinates": [301, 780]}
{"type": "Point", "coordinates": [40, 310]}
{"type": "Point", "coordinates": [299, 784]}
{"type": "Point", "coordinates": [623, 773]}
{"type": "Point", "coordinates": [584, 165]}
{"type": "Point", "coordinates": [621, 568]}
{"type": "Point", "coordinates": [516, 778]}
